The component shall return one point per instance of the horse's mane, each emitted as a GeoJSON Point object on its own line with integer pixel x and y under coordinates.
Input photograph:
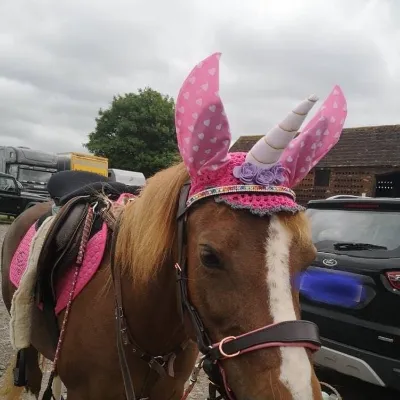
{"type": "Point", "coordinates": [147, 226]}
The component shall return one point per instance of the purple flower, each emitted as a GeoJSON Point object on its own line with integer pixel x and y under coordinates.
{"type": "Point", "coordinates": [265, 177]}
{"type": "Point", "coordinates": [279, 174]}
{"type": "Point", "coordinates": [249, 173]}
{"type": "Point", "coordinates": [246, 173]}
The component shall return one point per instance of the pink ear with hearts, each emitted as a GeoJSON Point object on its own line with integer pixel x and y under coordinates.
{"type": "Point", "coordinates": [316, 139]}
{"type": "Point", "coordinates": [201, 124]}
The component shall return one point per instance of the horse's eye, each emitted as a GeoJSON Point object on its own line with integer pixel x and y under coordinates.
{"type": "Point", "coordinates": [209, 259]}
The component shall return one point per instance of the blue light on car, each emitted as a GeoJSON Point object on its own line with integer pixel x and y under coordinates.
{"type": "Point", "coordinates": [338, 289]}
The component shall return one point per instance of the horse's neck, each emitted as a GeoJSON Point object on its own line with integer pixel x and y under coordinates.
{"type": "Point", "coordinates": [152, 313]}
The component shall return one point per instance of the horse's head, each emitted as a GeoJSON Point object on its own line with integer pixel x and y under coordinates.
{"type": "Point", "coordinates": [245, 239]}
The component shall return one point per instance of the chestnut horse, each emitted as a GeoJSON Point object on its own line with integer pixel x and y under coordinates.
{"type": "Point", "coordinates": [238, 241]}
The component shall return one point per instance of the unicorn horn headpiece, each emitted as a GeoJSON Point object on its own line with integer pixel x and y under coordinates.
{"type": "Point", "coordinates": [266, 174]}
{"type": "Point", "coordinates": [267, 151]}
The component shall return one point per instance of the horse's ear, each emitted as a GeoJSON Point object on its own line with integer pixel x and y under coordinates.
{"type": "Point", "coordinates": [316, 139]}
{"type": "Point", "coordinates": [202, 127]}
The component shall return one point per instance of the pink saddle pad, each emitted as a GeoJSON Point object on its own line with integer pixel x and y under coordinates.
{"type": "Point", "coordinates": [91, 262]}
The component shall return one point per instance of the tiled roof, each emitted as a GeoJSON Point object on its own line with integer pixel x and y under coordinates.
{"type": "Point", "coordinates": [357, 147]}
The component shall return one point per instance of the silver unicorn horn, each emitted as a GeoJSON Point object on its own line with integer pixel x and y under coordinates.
{"type": "Point", "coordinates": [266, 152]}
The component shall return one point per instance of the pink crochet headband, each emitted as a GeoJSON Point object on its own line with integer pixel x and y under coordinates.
{"type": "Point", "coordinates": [260, 180]}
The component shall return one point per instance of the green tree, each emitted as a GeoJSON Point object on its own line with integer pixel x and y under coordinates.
{"type": "Point", "coordinates": [137, 132]}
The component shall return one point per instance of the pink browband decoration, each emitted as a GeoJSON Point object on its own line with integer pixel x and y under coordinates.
{"type": "Point", "coordinates": [240, 189]}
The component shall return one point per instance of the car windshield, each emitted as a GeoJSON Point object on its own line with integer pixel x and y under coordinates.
{"type": "Point", "coordinates": [33, 175]}
{"type": "Point", "coordinates": [367, 227]}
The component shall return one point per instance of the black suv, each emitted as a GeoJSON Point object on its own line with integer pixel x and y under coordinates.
{"type": "Point", "coordinates": [359, 237]}
{"type": "Point", "coordinates": [13, 200]}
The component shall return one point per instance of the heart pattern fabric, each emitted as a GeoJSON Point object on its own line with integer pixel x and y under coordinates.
{"type": "Point", "coordinates": [201, 123]}
{"type": "Point", "coordinates": [316, 139]}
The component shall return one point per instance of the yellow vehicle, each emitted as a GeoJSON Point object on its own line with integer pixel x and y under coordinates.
{"type": "Point", "coordinates": [82, 162]}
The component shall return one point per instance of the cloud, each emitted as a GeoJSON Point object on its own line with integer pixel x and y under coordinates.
{"type": "Point", "coordinates": [61, 61]}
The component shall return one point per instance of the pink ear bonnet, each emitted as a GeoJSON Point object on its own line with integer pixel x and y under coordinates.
{"type": "Point", "coordinates": [261, 180]}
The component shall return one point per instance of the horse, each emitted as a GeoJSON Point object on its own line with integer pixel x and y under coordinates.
{"type": "Point", "coordinates": [203, 259]}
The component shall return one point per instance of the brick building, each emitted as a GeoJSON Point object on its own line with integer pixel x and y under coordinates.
{"type": "Point", "coordinates": [365, 160]}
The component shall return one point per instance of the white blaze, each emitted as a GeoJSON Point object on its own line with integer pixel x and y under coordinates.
{"type": "Point", "coordinates": [295, 370]}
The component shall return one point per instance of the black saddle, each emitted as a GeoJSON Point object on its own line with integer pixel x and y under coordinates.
{"type": "Point", "coordinates": [65, 185]}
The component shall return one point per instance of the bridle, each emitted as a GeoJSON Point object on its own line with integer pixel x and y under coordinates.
{"type": "Point", "coordinates": [297, 333]}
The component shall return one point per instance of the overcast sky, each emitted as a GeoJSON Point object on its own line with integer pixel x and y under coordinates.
{"type": "Point", "coordinates": [60, 61]}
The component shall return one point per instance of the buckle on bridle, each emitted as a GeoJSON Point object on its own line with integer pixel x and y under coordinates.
{"type": "Point", "coordinates": [222, 342]}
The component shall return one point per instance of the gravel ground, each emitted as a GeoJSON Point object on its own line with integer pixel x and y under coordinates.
{"type": "Point", "coordinates": [350, 388]}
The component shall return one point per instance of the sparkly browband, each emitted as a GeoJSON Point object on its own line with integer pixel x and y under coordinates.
{"type": "Point", "coordinates": [240, 189]}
